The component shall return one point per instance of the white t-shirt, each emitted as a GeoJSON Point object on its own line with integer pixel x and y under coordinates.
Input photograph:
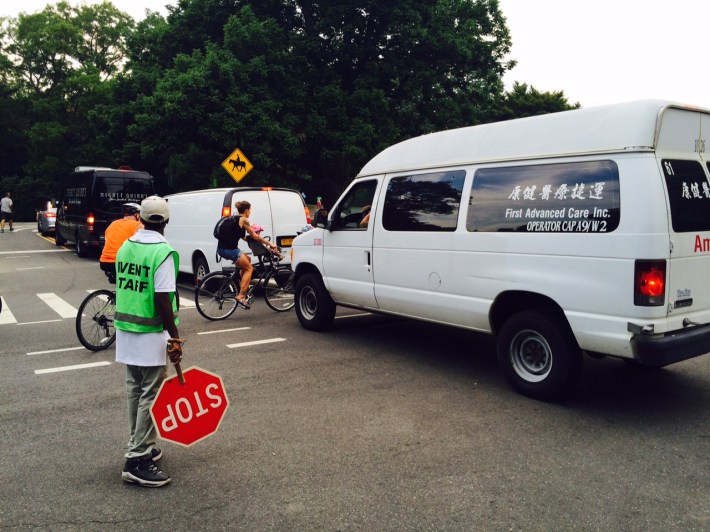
{"type": "Point", "coordinates": [147, 349]}
{"type": "Point", "coordinates": [6, 205]}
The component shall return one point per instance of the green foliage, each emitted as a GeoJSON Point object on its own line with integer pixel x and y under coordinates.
{"type": "Point", "coordinates": [308, 90]}
{"type": "Point", "coordinates": [524, 101]}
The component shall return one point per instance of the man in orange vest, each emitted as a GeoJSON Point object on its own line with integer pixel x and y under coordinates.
{"type": "Point", "coordinates": [116, 234]}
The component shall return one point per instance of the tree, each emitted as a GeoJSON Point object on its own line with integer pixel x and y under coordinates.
{"type": "Point", "coordinates": [313, 89]}
{"type": "Point", "coordinates": [524, 101]}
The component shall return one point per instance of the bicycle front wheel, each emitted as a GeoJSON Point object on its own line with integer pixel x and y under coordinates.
{"type": "Point", "coordinates": [94, 321]}
{"type": "Point", "coordinates": [279, 289]}
{"type": "Point", "coordinates": [216, 296]}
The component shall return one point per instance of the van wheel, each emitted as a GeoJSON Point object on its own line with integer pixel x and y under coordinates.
{"type": "Point", "coordinates": [201, 269]}
{"type": "Point", "coordinates": [539, 355]}
{"type": "Point", "coordinates": [58, 238]}
{"type": "Point", "coordinates": [81, 250]}
{"type": "Point", "coordinates": [314, 306]}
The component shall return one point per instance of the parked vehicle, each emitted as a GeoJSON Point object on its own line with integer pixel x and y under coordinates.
{"type": "Point", "coordinates": [91, 199]}
{"type": "Point", "coordinates": [280, 211]}
{"type": "Point", "coordinates": [46, 220]}
{"type": "Point", "coordinates": [580, 231]}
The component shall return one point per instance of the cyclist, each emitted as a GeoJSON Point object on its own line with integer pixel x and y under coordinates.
{"type": "Point", "coordinates": [228, 247]}
{"type": "Point", "coordinates": [116, 234]}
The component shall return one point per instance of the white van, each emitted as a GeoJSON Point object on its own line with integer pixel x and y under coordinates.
{"type": "Point", "coordinates": [580, 231]}
{"type": "Point", "coordinates": [280, 211]}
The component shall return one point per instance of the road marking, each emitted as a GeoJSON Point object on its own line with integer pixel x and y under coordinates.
{"type": "Point", "coordinates": [6, 314]}
{"type": "Point", "coordinates": [36, 322]}
{"type": "Point", "coordinates": [256, 342]}
{"type": "Point", "coordinates": [70, 368]}
{"type": "Point", "coordinates": [58, 305]}
{"type": "Point", "coordinates": [186, 303]}
{"type": "Point", "coordinates": [35, 251]}
{"type": "Point", "coordinates": [225, 330]}
{"type": "Point", "coordinates": [55, 350]}
{"type": "Point", "coordinates": [32, 268]}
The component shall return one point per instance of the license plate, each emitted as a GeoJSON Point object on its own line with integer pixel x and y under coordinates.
{"type": "Point", "coordinates": [285, 242]}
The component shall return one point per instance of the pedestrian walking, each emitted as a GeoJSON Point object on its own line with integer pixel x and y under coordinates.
{"type": "Point", "coordinates": [6, 212]}
{"type": "Point", "coordinates": [146, 322]}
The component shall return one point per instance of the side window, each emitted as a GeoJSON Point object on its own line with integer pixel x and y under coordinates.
{"type": "Point", "coordinates": [425, 202]}
{"type": "Point", "coordinates": [688, 194]}
{"type": "Point", "coordinates": [353, 209]}
{"type": "Point", "coordinates": [546, 198]}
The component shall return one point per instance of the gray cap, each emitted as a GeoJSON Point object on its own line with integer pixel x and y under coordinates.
{"type": "Point", "coordinates": [154, 209]}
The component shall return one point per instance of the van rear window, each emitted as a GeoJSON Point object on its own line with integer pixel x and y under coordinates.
{"type": "Point", "coordinates": [426, 202]}
{"type": "Point", "coordinates": [111, 193]}
{"type": "Point", "coordinates": [688, 195]}
{"type": "Point", "coordinates": [546, 198]}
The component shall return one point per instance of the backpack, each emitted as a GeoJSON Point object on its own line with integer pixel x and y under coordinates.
{"type": "Point", "coordinates": [224, 227]}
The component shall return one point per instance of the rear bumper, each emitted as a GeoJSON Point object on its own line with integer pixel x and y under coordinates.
{"type": "Point", "coordinates": [676, 346]}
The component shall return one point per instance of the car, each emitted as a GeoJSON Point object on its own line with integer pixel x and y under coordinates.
{"type": "Point", "coordinates": [46, 220]}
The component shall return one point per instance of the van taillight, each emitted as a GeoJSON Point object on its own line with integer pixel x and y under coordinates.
{"type": "Point", "coordinates": [650, 283]}
{"type": "Point", "coordinates": [226, 211]}
{"type": "Point", "coordinates": [308, 214]}
{"type": "Point", "coordinates": [90, 222]}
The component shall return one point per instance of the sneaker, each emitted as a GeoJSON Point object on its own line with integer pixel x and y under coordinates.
{"type": "Point", "coordinates": [156, 454]}
{"type": "Point", "coordinates": [2, 230]}
{"type": "Point", "coordinates": [143, 471]}
{"type": "Point", "coordinates": [11, 229]}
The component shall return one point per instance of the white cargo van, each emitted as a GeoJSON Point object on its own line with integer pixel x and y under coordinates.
{"type": "Point", "coordinates": [280, 211]}
{"type": "Point", "coordinates": [580, 231]}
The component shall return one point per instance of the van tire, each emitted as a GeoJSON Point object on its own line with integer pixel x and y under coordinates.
{"type": "Point", "coordinates": [201, 269]}
{"type": "Point", "coordinates": [81, 250]}
{"type": "Point", "coordinates": [314, 306]}
{"type": "Point", "coordinates": [538, 355]}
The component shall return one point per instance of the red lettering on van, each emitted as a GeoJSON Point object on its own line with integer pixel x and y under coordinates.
{"type": "Point", "coordinates": [702, 245]}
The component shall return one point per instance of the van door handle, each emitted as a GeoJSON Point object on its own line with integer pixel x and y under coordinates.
{"type": "Point", "coordinates": [367, 260]}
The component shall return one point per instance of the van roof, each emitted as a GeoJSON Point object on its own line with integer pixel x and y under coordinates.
{"type": "Point", "coordinates": [630, 126]}
{"type": "Point", "coordinates": [224, 190]}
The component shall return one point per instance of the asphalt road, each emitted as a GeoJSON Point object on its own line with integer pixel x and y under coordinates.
{"type": "Point", "coordinates": [379, 424]}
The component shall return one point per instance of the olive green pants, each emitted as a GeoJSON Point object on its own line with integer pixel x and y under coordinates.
{"type": "Point", "coordinates": [142, 385]}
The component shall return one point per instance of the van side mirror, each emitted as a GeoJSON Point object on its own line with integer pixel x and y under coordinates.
{"type": "Point", "coordinates": [321, 218]}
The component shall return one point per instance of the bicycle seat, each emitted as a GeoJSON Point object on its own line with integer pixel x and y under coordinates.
{"type": "Point", "coordinates": [257, 248]}
{"type": "Point", "coordinates": [231, 268]}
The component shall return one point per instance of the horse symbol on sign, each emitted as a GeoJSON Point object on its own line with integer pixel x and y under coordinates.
{"type": "Point", "coordinates": [237, 165]}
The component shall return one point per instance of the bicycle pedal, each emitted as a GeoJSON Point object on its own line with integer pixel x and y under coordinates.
{"type": "Point", "coordinates": [105, 340]}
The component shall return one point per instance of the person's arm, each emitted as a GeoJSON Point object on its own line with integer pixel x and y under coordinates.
{"type": "Point", "coordinates": [165, 309]}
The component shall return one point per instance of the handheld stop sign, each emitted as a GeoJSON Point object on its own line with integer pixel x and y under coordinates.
{"type": "Point", "coordinates": [188, 412]}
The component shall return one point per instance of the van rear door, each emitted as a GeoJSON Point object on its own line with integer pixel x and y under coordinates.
{"type": "Point", "coordinates": [288, 216]}
{"type": "Point", "coordinates": [681, 155]}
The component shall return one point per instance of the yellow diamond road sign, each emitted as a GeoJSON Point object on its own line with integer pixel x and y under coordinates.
{"type": "Point", "coordinates": [237, 165]}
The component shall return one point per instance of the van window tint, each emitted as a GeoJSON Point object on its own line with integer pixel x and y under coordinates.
{"type": "Point", "coordinates": [546, 198]}
{"type": "Point", "coordinates": [688, 195]}
{"type": "Point", "coordinates": [426, 202]}
{"type": "Point", "coordinates": [354, 206]}
{"type": "Point", "coordinates": [111, 193]}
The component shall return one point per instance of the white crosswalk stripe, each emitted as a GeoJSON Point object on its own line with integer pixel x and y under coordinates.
{"type": "Point", "coordinates": [58, 305]}
{"type": "Point", "coordinates": [61, 307]}
{"type": "Point", "coordinates": [6, 315]}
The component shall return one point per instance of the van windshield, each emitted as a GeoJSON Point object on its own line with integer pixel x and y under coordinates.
{"type": "Point", "coordinates": [111, 193]}
{"type": "Point", "coordinates": [688, 194]}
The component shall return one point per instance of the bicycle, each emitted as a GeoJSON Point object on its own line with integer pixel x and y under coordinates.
{"type": "Point", "coordinates": [94, 321]}
{"type": "Point", "coordinates": [216, 293]}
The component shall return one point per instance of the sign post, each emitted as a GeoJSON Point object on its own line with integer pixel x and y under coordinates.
{"type": "Point", "coordinates": [190, 412]}
{"type": "Point", "coordinates": [237, 165]}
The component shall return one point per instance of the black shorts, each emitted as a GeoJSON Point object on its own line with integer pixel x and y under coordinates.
{"type": "Point", "coordinates": [7, 216]}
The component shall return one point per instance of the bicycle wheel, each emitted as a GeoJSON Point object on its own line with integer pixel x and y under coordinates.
{"type": "Point", "coordinates": [279, 289]}
{"type": "Point", "coordinates": [94, 321]}
{"type": "Point", "coordinates": [216, 296]}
